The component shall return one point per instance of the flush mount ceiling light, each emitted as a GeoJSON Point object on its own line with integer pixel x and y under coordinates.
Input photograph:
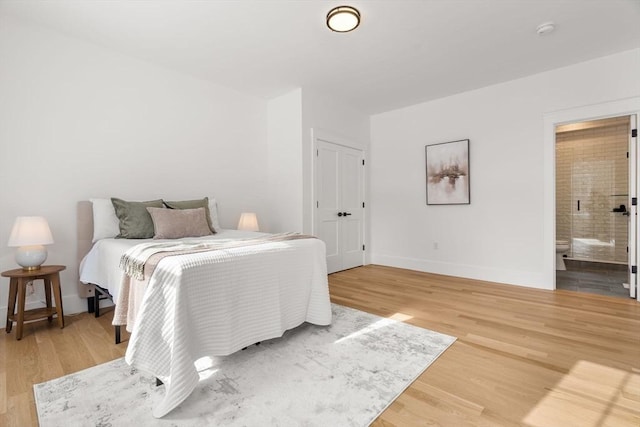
{"type": "Point", "coordinates": [545, 28]}
{"type": "Point", "coordinates": [343, 19]}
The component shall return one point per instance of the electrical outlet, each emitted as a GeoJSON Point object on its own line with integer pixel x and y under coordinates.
{"type": "Point", "coordinates": [435, 245]}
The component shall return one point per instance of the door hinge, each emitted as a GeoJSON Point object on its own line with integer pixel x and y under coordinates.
{"type": "Point", "coordinates": [362, 162]}
{"type": "Point", "coordinates": [363, 204]}
{"type": "Point", "coordinates": [634, 269]}
{"type": "Point", "coordinates": [634, 133]}
{"type": "Point", "coordinates": [317, 153]}
{"type": "Point", "coordinates": [317, 204]}
{"type": "Point", "coordinates": [363, 247]}
{"type": "Point", "coordinates": [627, 154]}
{"type": "Point", "coordinates": [634, 201]}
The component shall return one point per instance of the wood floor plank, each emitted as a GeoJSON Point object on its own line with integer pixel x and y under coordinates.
{"type": "Point", "coordinates": [520, 342]}
{"type": "Point", "coordinates": [3, 394]}
{"type": "Point", "coordinates": [523, 357]}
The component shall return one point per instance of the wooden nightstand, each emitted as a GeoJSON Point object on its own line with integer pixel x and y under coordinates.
{"type": "Point", "coordinates": [19, 279]}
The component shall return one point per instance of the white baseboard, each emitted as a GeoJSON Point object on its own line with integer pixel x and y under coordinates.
{"type": "Point", "coordinates": [529, 279]}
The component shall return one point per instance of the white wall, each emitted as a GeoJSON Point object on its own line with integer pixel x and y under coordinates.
{"type": "Point", "coordinates": [78, 121]}
{"type": "Point", "coordinates": [291, 119]}
{"type": "Point", "coordinates": [499, 236]}
{"type": "Point", "coordinates": [285, 162]}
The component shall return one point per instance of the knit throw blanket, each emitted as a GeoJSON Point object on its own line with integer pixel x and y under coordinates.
{"type": "Point", "coordinates": [134, 260]}
{"type": "Point", "coordinates": [140, 262]}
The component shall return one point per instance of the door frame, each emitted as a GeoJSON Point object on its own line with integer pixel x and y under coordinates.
{"type": "Point", "coordinates": [336, 139]}
{"type": "Point", "coordinates": [623, 107]}
{"type": "Point", "coordinates": [632, 249]}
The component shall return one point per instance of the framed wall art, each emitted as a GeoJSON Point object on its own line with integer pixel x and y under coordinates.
{"type": "Point", "coordinates": [447, 167]}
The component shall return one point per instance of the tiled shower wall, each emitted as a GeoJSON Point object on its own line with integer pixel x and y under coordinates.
{"type": "Point", "coordinates": [592, 168]}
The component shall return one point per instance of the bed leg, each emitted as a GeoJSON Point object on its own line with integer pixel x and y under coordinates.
{"type": "Point", "coordinates": [117, 330]}
{"type": "Point", "coordinates": [96, 305]}
{"type": "Point", "coordinates": [90, 304]}
{"type": "Point", "coordinates": [158, 382]}
{"type": "Point", "coordinates": [258, 343]}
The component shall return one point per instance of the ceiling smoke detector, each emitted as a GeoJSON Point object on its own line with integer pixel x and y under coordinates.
{"type": "Point", "coordinates": [545, 28]}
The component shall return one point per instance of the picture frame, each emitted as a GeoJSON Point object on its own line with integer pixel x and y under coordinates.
{"type": "Point", "coordinates": [448, 173]}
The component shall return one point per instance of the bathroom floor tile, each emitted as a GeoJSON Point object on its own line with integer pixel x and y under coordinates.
{"type": "Point", "coordinates": [595, 281]}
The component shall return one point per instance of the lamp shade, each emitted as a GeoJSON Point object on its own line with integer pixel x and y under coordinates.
{"type": "Point", "coordinates": [30, 230]}
{"type": "Point", "coordinates": [248, 222]}
{"type": "Point", "coordinates": [30, 234]}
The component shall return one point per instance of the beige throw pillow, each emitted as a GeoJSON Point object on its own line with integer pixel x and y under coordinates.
{"type": "Point", "coordinates": [178, 223]}
{"type": "Point", "coordinates": [192, 204]}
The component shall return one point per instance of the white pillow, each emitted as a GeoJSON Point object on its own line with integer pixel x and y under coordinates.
{"type": "Point", "coordinates": [213, 212]}
{"type": "Point", "coordinates": [106, 224]}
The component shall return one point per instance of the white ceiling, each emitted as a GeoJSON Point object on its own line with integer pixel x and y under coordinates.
{"type": "Point", "coordinates": [404, 52]}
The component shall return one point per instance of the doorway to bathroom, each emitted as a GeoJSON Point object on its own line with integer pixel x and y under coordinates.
{"type": "Point", "coordinates": [593, 206]}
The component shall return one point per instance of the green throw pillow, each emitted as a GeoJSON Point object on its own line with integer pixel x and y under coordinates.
{"type": "Point", "coordinates": [193, 204]}
{"type": "Point", "coordinates": [135, 221]}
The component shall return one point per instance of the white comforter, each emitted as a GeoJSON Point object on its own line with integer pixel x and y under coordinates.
{"type": "Point", "coordinates": [215, 303]}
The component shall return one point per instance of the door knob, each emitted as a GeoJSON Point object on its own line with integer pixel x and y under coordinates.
{"type": "Point", "coordinates": [345, 213]}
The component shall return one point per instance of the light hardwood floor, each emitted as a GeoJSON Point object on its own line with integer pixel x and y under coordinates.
{"type": "Point", "coordinates": [523, 356]}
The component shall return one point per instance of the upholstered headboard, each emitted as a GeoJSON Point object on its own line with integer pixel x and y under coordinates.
{"type": "Point", "coordinates": [85, 237]}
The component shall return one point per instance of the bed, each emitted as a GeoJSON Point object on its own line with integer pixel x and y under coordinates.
{"type": "Point", "coordinates": [211, 302]}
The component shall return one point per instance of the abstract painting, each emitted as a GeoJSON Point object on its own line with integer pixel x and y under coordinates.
{"type": "Point", "coordinates": [448, 173]}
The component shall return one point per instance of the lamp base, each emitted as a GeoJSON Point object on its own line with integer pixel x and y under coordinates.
{"type": "Point", "coordinates": [31, 257]}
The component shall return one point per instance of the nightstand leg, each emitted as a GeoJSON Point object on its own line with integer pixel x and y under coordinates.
{"type": "Point", "coordinates": [57, 293]}
{"type": "Point", "coordinates": [47, 295]}
{"type": "Point", "coordinates": [11, 308]}
{"type": "Point", "coordinates": [22, 284]}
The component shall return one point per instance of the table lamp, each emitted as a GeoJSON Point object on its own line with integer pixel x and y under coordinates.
{"type": "Point", "coordinates": [248, 222]}
{"type": "Point", "coordinates": [29, 235]}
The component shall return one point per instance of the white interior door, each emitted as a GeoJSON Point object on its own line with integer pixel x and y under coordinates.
{"type": "Point", "coordinates": [634, 184]}
{"type": "Point", "coordinates": [339, 190]}
{"type": "Point", "coordinates": [351, 224]}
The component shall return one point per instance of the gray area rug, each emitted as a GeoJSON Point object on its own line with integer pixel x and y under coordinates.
{"type": "Point", "coordinates": [345, 374]}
